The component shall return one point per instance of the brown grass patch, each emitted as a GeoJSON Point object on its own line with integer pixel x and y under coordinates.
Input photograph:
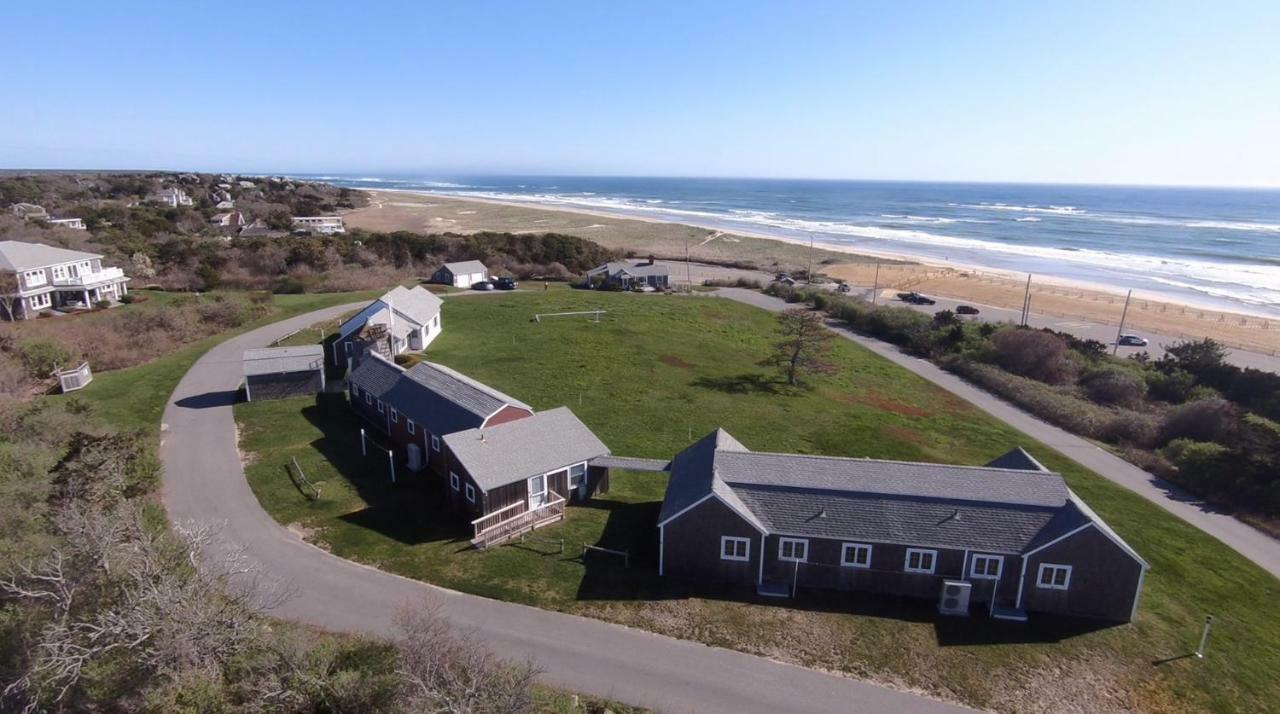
{"type": "Point", "coordinates": [674, 361]}
{"type": "Point", "coordinates": [888, 404]}
{"type": "Point", "coordinates": [904, 433]}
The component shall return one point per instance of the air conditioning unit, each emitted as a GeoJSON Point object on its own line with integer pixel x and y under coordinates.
{"type": "Point", "coordinates": [954, 599]}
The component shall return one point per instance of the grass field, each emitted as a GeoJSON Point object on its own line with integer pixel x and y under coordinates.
{"type": "Point", "coordinates": [134, 398]}
{"type": "Point", "coordinates": [659, 370]}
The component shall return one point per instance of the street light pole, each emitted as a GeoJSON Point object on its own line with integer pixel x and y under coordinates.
{"type": "Point", "coordinates": [875, 286]}
{"type": "Point", "coordinates": [1115, 349]}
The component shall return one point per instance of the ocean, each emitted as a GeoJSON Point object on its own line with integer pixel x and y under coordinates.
{"type": "Point", "coordinates": [1206, 246]}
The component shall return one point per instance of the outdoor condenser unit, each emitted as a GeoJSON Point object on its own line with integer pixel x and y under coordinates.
{"type": "Point", "coordinates": [954, 599]}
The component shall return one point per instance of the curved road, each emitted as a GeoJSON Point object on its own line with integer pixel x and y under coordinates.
{"type": "Point", "coordinates": [1246, 540]}
{"type": "Point", "coordinates": [204, 482]}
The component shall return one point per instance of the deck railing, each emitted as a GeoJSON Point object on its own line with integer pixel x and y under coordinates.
{"type": "Point", "coordinates": [491, 532]}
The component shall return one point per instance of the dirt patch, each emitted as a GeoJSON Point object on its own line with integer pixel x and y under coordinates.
{"type": "Point", "coordinates": [674, 361]}
{"type": "Point", "coordinates": [247, 458]}
{"type": "Point", "coordinates": [308, 535]}
{"type": "Point", "coordinates": [888, 404]}
{"type": "Point", "coordinates": [904, 433]}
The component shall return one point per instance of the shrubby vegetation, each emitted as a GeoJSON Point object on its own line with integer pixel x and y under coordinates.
{"type": "Point", "coordinates": [103, 607]}
{"type": "Point", "coordinates": [1189, 416]}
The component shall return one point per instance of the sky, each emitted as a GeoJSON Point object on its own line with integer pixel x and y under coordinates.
{"type": "Point", "coordinates": [1065, 92]}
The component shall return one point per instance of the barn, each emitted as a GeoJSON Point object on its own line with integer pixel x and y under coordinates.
{"type": "Point", "coordinates": [282, 372]}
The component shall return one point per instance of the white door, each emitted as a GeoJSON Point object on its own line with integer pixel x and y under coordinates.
{"type": "Point", "coordinates": [537, 492]}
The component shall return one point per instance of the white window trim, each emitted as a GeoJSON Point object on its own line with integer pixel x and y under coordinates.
{"type": "Point", "coordinates": [933, 561]}
{"type": "Point", "coordinates": [395, 416]}
{"type": "Point", "coordinates": [471, 493]}
{"type": "Point", "coordinates": [411, 426]}
{"type": "Point", "coordinates": [382, 408]}
{"type": "Point", "coordinates": [581, 477]}
{"type": "Point", "coordinates": [453, 480]}
{"type": "Point", "coordinates": [735, 540]}
{"type": "Point", "coordinates": [1051, 586]}
{"type": "Point", "coordinates": [435, 443]}
{"type": "Point", "coordinates": [368, 398]}
{"type": "Point", "coordinates": [844, 555]}
{"type": "Point", "coordinates": [973, 567]}
{"type": "Point", "coordinates": [782, 544]}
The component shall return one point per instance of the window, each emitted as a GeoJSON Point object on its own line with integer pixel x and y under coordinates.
{"type": "Point", "coordinates": [453, 480]}
{"type": "Point", "coordinates": [793, 549]}
{"type": "Point", "coordinates": [395, 416]}
{"type": "Point", "coordinates": [412, 427]}
{"type": "Point", "coordinates": [986, 567]}
{"type": "Point", "coordinates": [471, 493]}
{"type": "Point", "coordinates": [381, 407]}
{"type": "Point", "coordinates": [855, 555]}
{"type": "Point", "coordinates": [735, 548]}
{"type": "Point", "coordinates": [537, 491]}
{"type": "Point", "coordinates": [368, 398]}
{"type": "Point", "coordinates": [435, 443]}
{"type": "Point", "coordinates": [1054, 577]}
{"type": "Point", "coordinates": [920, 560]}
{"type": "Point", "coordinates": [575, 475]}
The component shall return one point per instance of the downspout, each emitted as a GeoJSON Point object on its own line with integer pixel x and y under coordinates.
{"type": "Point", "coordinates": [760, 577]}
{"type": "Point", "coordinates": [662, 547]}
{"type": "Point", "coordinates": [1022, 579]}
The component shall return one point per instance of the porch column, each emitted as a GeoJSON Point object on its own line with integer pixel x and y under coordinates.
{"type": "Point", "coordinates": [86, 298]}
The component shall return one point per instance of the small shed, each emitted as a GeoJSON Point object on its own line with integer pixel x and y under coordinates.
{"type": "Point", "coordinates": [282, 372]}
{"type": "Point", "coordinates": [462, 274]}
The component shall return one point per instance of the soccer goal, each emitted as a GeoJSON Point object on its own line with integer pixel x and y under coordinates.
{"type": "Point", "coordinates": [594, 315]}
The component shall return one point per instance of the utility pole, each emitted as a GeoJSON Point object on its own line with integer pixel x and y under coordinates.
{"type": "Point", "coordinates": [1026, 302]}
{"type": "Point", "coordinates": [688, 276]}
{"type": "Point", "coordinates": [875, 286]}
{"type": "Point", "coordinates": [1120, 330]}
{"type": "Point", "coordinates": [808, 275]}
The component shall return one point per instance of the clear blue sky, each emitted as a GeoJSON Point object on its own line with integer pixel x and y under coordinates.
{"type": "Point", "coordinates": [1111, 92]}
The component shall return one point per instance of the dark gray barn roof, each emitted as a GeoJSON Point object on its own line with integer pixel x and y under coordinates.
{"type": "Point", "coordinates": [276, 360]}
{"type": "Point", "coordinates": [376, 375]}
{"type": "Point", "coordinates": [1005, 509]}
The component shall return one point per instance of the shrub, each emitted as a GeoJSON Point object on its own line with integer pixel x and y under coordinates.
{"type": "Point", "coordinates": [1130, 428]}
{"type": "Point", "coordinates": [1114, 387]}
{"type": "Point", "coordinates": [42, 355]}
{"type": "Point", "coordinates": [1205, 420]}
{"type": "Point", "coordinates": [1035, 354]}
{"type": "Point", "coordinates": [128, 299]}
{"type": "Point", "coordinates": [1069, 412]}
{"type": "Point", "coordinates": [102, 304]}
{"type": "Point", "coordinates": [1173, 386]}
{"type": "Point", "coordinates": [1201, 465]}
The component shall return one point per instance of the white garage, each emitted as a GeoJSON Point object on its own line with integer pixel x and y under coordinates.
{"type": "Point", "coordinates": [463, 274]}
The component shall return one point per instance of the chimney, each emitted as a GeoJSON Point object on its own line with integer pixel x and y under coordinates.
{"type": "Point", "coordinates": [650, 259]}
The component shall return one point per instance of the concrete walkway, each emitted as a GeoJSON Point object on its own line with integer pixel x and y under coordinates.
{"type": "Point", "coordinates": [204, 482]}
{"type": "Point", "coordinates": [1246, 540]}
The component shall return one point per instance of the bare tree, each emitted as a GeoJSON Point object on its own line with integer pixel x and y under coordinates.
{"type": "Point", "coordinates": [804, 345]}
{"type": "Point", "coordinates": [9, 295]}
{"type": "Point", "coordinates": [445, 672]}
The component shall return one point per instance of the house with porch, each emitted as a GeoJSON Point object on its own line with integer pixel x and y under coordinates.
{"type": "Point", "coordinates": [630, 275]}
{"type": "Point", "coordinates": [320, 225]}
{"type": "Point", "coordinates": [512, 477]}
{"type": "Point", "coordinates": [1008, 538]}
{"type": "Point", "coordinates": [171, 197]}
{"type": "Point", "coordinates": [402, 320]}
{"type": "Point", "coordinates": [50, 278]}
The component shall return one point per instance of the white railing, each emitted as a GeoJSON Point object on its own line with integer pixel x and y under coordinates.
{"type": "Point", "coordinates": [86, 279]}
{"type": "Point", "coordinates": [72, 379]}
{"type": "Point", "coordinates": [522, 522]}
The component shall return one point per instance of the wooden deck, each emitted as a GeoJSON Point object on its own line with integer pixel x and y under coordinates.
{"type": "Point", "coordinates": [515, 520]}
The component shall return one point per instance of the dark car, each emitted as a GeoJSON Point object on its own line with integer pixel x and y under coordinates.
{"type": "Point", "coordinates": [966, 310]}
{"type": "Point", "coordinates": [482, 285]}
{"type": "Point", "coordinates": [1133, 341]}
{"type": "Point", "coordinates": [916, 299]}
{"type": "Point", "coordinates": [506, 284]}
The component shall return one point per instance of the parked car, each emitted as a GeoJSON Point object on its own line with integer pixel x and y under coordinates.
{"type": "Point", "coordinates": [966, 310]}
{"type": "Point", "coordinates": [482, 285]}
{"type": "Point", "coordinates": [1133, 341]}
{"type": "Point", "coordinates": [506, 284]}
{"type": "Point", "coordinates": [916, 298]}
{"type": "Point", "coordinates": [782, 276]}
{"type": "Point", "coordinates": [843, 287]}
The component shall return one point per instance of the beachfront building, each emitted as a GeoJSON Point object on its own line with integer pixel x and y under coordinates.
{"type": "Point", "coordinates": [73, 223]}
{"type": "Point", "coordinates": [462, 274]}
{"type": "Point", "coordinates": [171, 197]}
{"type": "Point", "coordinates": [323, 225]}
{"type": "Point", "coordinates": [1008, 537]}
{"type": "Point", "coordinates": [630, 275]}
{"type": "Point", "coordinates": [43, 277]}
{"type": "Point", "coordinates": [29, 211]}
{"type": "Point", "coordinates": [402, 320]}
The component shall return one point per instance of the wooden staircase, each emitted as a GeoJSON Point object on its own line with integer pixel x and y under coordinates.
{"type": "Point", "coordinates": [490, 530]}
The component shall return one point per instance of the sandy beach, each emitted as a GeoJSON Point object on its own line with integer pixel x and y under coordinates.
{"type": "Point", "coordinates": [433, 213]}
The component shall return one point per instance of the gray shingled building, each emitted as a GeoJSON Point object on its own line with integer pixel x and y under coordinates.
{"type": "Point", "coordinates": [1009, 536]}
{"type": "Point", "coordinates": [282, 372]}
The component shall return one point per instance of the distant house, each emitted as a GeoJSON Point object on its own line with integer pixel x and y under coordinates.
{"type": "Point", "coordinates": [171, 197]}
{"type": "Point", "coordinates": [282, 372]}
{"type": "Point", "coordinates": [29, 211]}
{"type": "Point", "coordinates": [1009, 536]}
{"type": "Point", "coordinates": [324, 225]}
{"type": "Point", "coordinates": [232, 221]}
{"type": "Point", "coordinates": [402, 320]}
{"type": "Point", "coordinates": [630, 275]}
{"type": "Point", "coordinates": [75, 223]}
{"type": "Point", "coordinates": [225, 204]}
{"type": "Point", "coordinates": [259, 229]}
{"type": "Point", "coordinates": [462, 274]}
{"type": "Point", "coordinates": [246, 184]}
{"type": "Point", "coordinates": [55, 278]}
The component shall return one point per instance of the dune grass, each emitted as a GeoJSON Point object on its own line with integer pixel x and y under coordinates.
{"type": "Point", "coordinates": [659, 371]}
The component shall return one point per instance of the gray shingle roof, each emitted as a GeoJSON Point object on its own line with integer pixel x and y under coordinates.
{"type": "Point", "coordinates": [636, 268]}
{"type": "Point", "coordinates": [444, 401]}
{"type": "Point", "coordinates": [19, 256]}
{"type": "Point", "coordinates": [464, 267]}
{"type": "Point", "coordinates": [274, 360]}
{"type": "Point", "coordinates": [1005, 510]}
{"type": "Point", "coordinates": [376, 375]}
{"type": "Point", "coordinates": [461, 389]}
{"type": "Point", "coordinates": [417, 303]}
{"type": "Point", "coordinates": [507, 453]}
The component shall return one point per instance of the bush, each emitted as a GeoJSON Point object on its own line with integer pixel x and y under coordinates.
{"type": "Point", "coordinates": [1173, 386]}
{"type": "Point", "coordinates": [1211, 419]}
{"type": "Point", "coordinates": [128, 299]}
{"type": "Point", "coordinates": [102, 304]}
{"type": "Point", "coordinates": [1201, 465]}
{"type": "Point", "coordinates": [41, 356]}
{"type": "Point", "coordinates": [1130, 428]}
{"type": "Point", "coordinates": [1069, 412]}
{"type": "Point", "coordinates": [1034, 353]}
{"type": "Point", "coordinates": [1114, 387]}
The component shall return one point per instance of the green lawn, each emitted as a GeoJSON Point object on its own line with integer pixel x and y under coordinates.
{"type": "Point", "coordinates": [661, 369]}
{"type": "Point", "coordinates": [134, 398]}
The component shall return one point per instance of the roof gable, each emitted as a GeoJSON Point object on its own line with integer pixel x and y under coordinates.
{"type": "Point", "coordinates": [17, 255]}
{"type": "Point", "coordinates": [464, 267]}
{"type": "Point", "coordinates": [511, 452]}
